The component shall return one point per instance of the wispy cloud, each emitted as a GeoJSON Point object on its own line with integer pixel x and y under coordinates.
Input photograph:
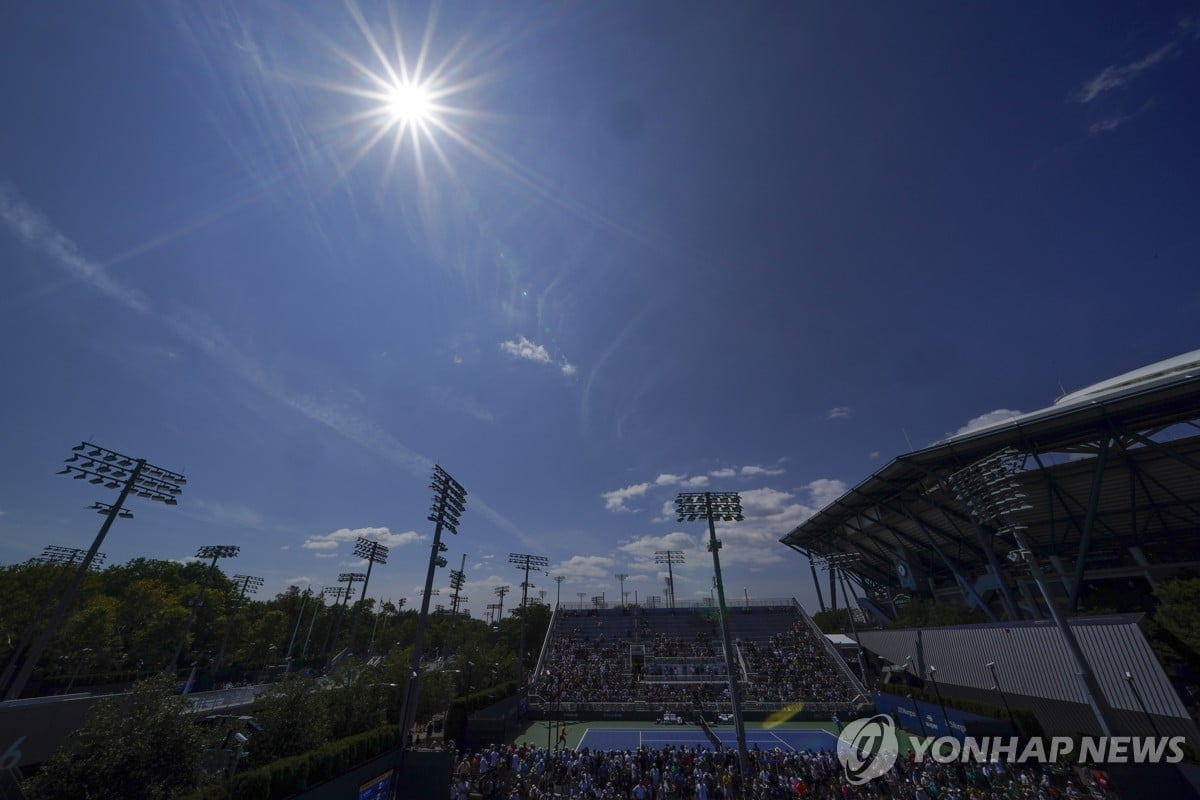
{"type": "Point", "coordinates": [1114, 122]}
{"type": "Point", "coordinates": [727, 472]}
{"type": "Point", "coordinates": [231, 514]}
{"type": "Point", "coordinates": [616, 499]}
{"type": "Point", "coordinates": [838, 412]}
{"type": "Point", "coordinates": [567, 368]}
{"type": "Point", "coordinates": [299, 580]}
{"type": "Point", "coordinates": [331, 541]}
{"type": "Point", "coordinates": [753, 470]}
{"type": "Point", "coordinates": [35, 230]}
{"type": "Point", "coordinates": [449, 398]}
{"type": "Point", "coordinates": [1114, 76]}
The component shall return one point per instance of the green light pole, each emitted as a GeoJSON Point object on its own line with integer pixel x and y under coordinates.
{"type": "Point", "coordinates": [115, 471]}
{"type": "Point", "coordinates": [727, 507]}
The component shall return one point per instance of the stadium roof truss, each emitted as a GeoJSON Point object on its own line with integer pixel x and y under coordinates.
{"type": "Point", "coordinates": [1112, 490]}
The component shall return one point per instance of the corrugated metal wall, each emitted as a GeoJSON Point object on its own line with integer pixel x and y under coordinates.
{"type": "Point", "coordinates": [1031, 660]}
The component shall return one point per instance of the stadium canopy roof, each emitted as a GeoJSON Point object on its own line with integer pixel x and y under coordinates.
{"type": "Point", "coordinates": [1108, 468]}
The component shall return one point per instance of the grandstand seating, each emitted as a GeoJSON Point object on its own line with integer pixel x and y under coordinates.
{"type": "Point", "coordinates": [659, 657]}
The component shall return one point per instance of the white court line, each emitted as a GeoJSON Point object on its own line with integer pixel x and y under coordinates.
{"type": "Point", "coordinates": [583, 738]}
{"type": "Point", "coordinates": [781, 741]}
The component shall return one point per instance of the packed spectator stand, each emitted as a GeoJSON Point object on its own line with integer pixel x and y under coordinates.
{"type": "Point", "coordinates": [656, 658]}
{"type": "Point", "coordinates": [526, 772]}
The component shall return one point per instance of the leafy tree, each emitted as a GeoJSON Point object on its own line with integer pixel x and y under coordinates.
{"type": "Point", "coordinates": [295, 719]}
{"type": "Point", "coordinates": [833, 621]}
{"type": "Point", "coordinates": [143, 745]}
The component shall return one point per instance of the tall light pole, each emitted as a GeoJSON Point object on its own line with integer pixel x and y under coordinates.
{"type": "Point", "coordinates": [500, 592]}
{"type": "Point", "coordinates": [1141, 704]}
{"type": "Point", "coordinates": [670, 558]}
{"type": "Point", "coordinates": [374, 553]}
{"type": "Point", "coordinates": [991, 494]}
{"type": "Point", "coordinates": [458, 579]}
{"type": "Point", "coordinates": [115, 471]}
{"type": "Point", "coordinates": [492, 608]}
{"type": "Point", "coordinates": [727, 507]}
{"type": "Point", "coordinates": [67, 557]}
{"type": "Point", "coordinates": [348, 578]}
{"type": "Point", "coordinates": [991, 665]}
{"type": "Point", "coordinates": [525, 561]}
{"type": "Point", "coordinates": [296, 629]}
{"type": "Point", "coordinates": [312, 624]}
{"type": "Point", "coordinates": [558, 594]}
{"type": "Point", "coordinates": [580, 595]}
{"type": "Point", "coordinates": [449, 502]}
{"type": "Point", "coordinates": [621, 576]}
{"type": "Point", "coordinates": [250, 584]}
{"type": "Point", "coordinates": [938, 692]}
{"type": "Point", "coordinates": [213, 552]}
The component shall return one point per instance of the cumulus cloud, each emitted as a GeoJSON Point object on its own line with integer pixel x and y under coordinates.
{"type": "Point", "coordinates": [330, 541]}
{"type": "Point", "coordinates": [615, 500]}
{"type": "Point", "coordinates": [694, 482]}
{"type": "Point", "coordinates": [584, 567]}
{"type": "Point", "coordinates": [1117, 75]}
{"type": "Point", "coordinates": [298, 580]}
{"type": "Point", "coordinates": [642, 549]}
{"type": "Point", "coordinates": [824, 491]}
{"type": "Point", "coordinates": [839, 412]}
{"type": "Point", "coordinates": [723, 473]}
{"type": "Point", "coordinates": [988, 419]}
{"type": "Point", "coordinates": [31, 227]}
{"type": "Point", "coordinates": [532, 351]}
{"type": "Point", "coordinates": [752, 470]}
{"type": "Point", "coordinates": [667, 479]}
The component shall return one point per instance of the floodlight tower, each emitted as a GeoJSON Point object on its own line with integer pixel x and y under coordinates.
{"type": "Point", "coordinates": [115, 471]}
{"type": "Point", "coordinates": [500, 592]}
{"type": "Point", "coordinates": [991, 494]}
{"type": "Point", "coordinates": [213, 552]}
{"type": "Point", "coordinates": [374, 553]}
{"type": "Point", "coordinates": [250, 585]}
{"type": "Point", "coordinates": [492, 608]}
{"type": "Point", "coordinates": [727, 507]}
{"type": "Point", "coordinates": [558, 594]}
{"type": "Point", "coordinates": [670, 558]}
{"type": "Point", "coordinates": [348, 578]}
{"type": "Point", "coordinates": [621, 576]}
{"type": "Point", "coordinates": [458, 579]}
{"type": "Point", "coordinates": [51, 554]}
{"type": "Point", "coordinates": [525, 561]}
{"type": "Point", "coordinates": [449, 502]}
{"type": "Point", "coordinates": [580, 595]}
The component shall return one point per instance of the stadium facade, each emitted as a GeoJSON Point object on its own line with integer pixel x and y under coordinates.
{"type": "Point", "coordinates": [1107, 488]}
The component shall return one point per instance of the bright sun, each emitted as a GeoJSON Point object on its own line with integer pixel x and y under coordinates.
{"type": "Point", "coordinates": [409, 103]}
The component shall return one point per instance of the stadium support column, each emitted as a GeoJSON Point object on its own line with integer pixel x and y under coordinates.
{"type": "Point", "coordinates": [726, 506]}
{"type": "Point", "coordinates": [816, 582]}
{"type": "Point", "coordinates": [990, 492]}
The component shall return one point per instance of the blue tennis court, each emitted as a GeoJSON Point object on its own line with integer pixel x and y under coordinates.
{"type": "Point", "coordinates": [631, 739]}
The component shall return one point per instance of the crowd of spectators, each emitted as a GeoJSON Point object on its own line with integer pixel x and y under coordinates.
{"type": "Point", "coordinates": [528, 772]}
{"type": "Point", "coordinates": [589, 662]}
{"type": "Point", "coordinates": [792, 666]}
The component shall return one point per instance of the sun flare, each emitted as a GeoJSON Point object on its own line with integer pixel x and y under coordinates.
{"type": "Point", "coordinates": [408, 103]}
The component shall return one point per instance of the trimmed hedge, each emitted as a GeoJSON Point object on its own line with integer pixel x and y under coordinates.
{"type": "Point", "coordinates": [1025, 722]}
{"type": "Point", "coordinates": [292, 775]}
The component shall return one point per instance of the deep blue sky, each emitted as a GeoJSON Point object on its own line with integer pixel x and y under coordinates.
{"type": "Point", "coordinates": [642, 247]}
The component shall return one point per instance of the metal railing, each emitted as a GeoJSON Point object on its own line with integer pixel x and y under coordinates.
{"type": "Point", "coordinates": [832, 651]}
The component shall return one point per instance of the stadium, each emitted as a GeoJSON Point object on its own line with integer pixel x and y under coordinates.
{"type": "Point", "coordinates": [1104, 488]}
